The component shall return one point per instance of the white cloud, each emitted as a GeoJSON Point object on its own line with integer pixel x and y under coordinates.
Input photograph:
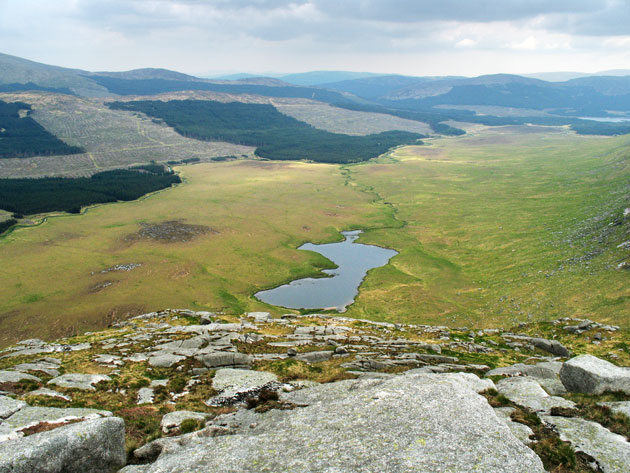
{"type": "Point", "coordinates": [392, 36]}
{"type": "Point", "coordinates": [466, 43]}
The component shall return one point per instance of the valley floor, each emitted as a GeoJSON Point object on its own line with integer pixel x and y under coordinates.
{"type": "Point", "coordinates": [495, 227]}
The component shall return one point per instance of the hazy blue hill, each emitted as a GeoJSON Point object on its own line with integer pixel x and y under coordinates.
{"type": "Point", "coordinates": [324, 77]}
{"type": "Point", "coordinates": [237, 76]}
{"type": "Point", "coordinates": [15, 70]}
{"type": "Point", "coordinates": [375, 87]}
{"type": "Point", "coordinates": [157, 86]}
{"type": "Point", "coordinates": [566, 76]}
{"type": "Point", "coordinates": [149, 73]}
{"type": "Point", "coordinates": [607, 85]}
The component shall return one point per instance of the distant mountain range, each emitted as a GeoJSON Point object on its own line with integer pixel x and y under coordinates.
{"type": "Point", "coordinates": [432, 99]}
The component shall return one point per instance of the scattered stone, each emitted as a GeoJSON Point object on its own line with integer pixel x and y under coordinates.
{"type": "Point", "coordinates": [158, 382]}
{"type": "Point", "coordinates": [315, 356]}
{"type": "Point", "coordinates": [16, 377]}
{"type": "Point", "coordinates": [260, 317]}
{"type": "Point", "coordinates": [137, 358]}
{"type": "Point", "coordinates": [145, 396]}
{"type": "Point", "coordinates": [591, 375]}
{"type": "Point", "coordinates": [291, 352]}
{"type": "Point", "coordinates": [49, 393]}
{"type": "Point", "coordinates": [552, 346]}
{"type": "Point", "coordinates": [173, 420]}
{"type": "Point", "coordinates": [520, 431]}
{"type": "Point", "coordinates": [436, 358]}
{"type": "Point", "coordinates": [9, 406]}
{"type": "Point", "coordinates": [79, 381]}
{"type": "Point", "coordinates": [620, 407]}
{"type": "Point", "coordinates": [236, 385]}
{"type": "Point", "coordinates": [51, 369]}
{"type": "Point", "coordinates": [527, 392]}
{"type": "Point", "coordinates": [65, 449]}
{"type": "Point", "coordinates": [113, 360]}
{"type": "Point", "coordinates": [165, 361]}
{"type": "Point", "coordinates": [224, 359]}
{"type": "Point", "coordinates": [611, 451]}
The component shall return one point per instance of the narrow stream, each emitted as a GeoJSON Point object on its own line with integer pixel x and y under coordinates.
{"type": "Point", "coordinates": [338, 290]}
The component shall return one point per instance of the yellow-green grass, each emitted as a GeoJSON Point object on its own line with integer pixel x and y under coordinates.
{"type": "Point", "coordinates": [494, 226]}
{"type": "Point", "coordinates": [4, 215]}
{"type": "Point", "coordinates": [483, 224]}
{"type": "Point", "coordinates": [261, 212]}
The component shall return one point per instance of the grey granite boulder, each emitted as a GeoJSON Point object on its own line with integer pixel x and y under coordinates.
{"type": "Point", "coordinates": [408, 423]}
{"type": "Point", "coordinates": [527, 392]}
{"type": "Point", "coordinates": [236, 385]}
{"type": "Point", "coordinates": [51, 369]}
{"type": "Point", "coordinates": [49, 393]}
{"type": "Point", "coordinates": [16, 377]}
{"type": "Point", "coordinates": [315, 356]}
{"type": "Point", "coordinates": [260, 317]}
{"type": "Point", "coordinates": [9, 406]}
{"type": "Point", "coordinates": [545, 373]}
{"type": "Point", "coordinates": [145, 396]}
{"type": "Point", "coordinates": [551, 346]}
{"type": "Point", "coordinates": [173, 420]}
{"type": "Point", "coordinates": [165, 360]}
{"type": "Point", "coordinates": [620, 407]}
{"type": "Point", "coordinates": [520, 431]}
{"type": "Point", "coordinates": [221, 359]}
{"type": "Point", "coordinates": [93, 446]}
{"type": "Point", "coordinates": [28, 416]}
{"type": "Point", "coordinates": [611, 451]}
{"type": "Point", "coordinates": [85, 382]}
{"type": "Point", "coordinates": [591, 375]}
{"type": "Point", "coordinates": [544, 370]}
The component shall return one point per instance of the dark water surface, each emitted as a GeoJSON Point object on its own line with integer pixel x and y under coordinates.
{"type": "Point", "coordinates": [354, 260]}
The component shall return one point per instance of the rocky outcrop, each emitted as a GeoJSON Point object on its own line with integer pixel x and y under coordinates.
{"type": "Point", "coordinates": [611, 451]}
{"type": "Point", "coordinates": [174, 420]}
{"type": "Point", "coordinates": [79, 380]}
{"type": "Point", "coordinates": [184, 368]}
{"type": "Point", "coordinates": [591, 375]}
{"type": "Point", "coordinates": [236, 385]}
{"type": "Point", "coordinates": [393, 424]}
{"type": "Point", "coordinates": [93, 446]}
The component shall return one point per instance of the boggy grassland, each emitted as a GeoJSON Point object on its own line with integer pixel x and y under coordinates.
{"type": "Point", "coordinates": [494, 227]}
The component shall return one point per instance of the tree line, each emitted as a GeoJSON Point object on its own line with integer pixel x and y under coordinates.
{"type": "Point", "coordinates": [22, 137]}
{"type": "Point", "coordinates": [275, 135]}
{"type": "Point", "coordinates": [32, 196]}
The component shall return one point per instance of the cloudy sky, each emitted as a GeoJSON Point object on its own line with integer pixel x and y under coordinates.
{"type": "Point", "coordinates": [416, 37]}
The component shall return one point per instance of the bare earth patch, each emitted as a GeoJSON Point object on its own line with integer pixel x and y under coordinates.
{"type": "Point", "coordinates": [173, 231]}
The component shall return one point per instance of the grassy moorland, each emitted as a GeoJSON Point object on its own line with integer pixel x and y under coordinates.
{"type": "Point", "coordinates": [498, 226]}
{"type": "Point", "coordinates": [209, 243]}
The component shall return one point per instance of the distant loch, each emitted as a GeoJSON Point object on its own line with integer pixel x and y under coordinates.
{"type": "Point", "coordinates": [338, 291]}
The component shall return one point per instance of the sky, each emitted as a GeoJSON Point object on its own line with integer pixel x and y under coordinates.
{"type": "Point", "coordinates": [413, 37]}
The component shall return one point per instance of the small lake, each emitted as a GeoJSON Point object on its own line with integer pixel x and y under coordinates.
{"type": "Point", "coordinates": [338, 290]}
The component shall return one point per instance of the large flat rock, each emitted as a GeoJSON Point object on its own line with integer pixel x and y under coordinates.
{"type": "Point", "coordinates": [9, 406]}
{"type": "Point", "coordinates": [591, 375]}
{"type": "Point", "coordinates": [527, 392]}
{"type": "Point", "coordinates": [16, 377]}
{"type": "Point", "coordinates": [93, 446]}
{"type": "Point", "coordinates": [85, 382]}
{"type": "Point", "coordinates": [234, 385]}
{"type": "Point", "coordinates": [408, 423]}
